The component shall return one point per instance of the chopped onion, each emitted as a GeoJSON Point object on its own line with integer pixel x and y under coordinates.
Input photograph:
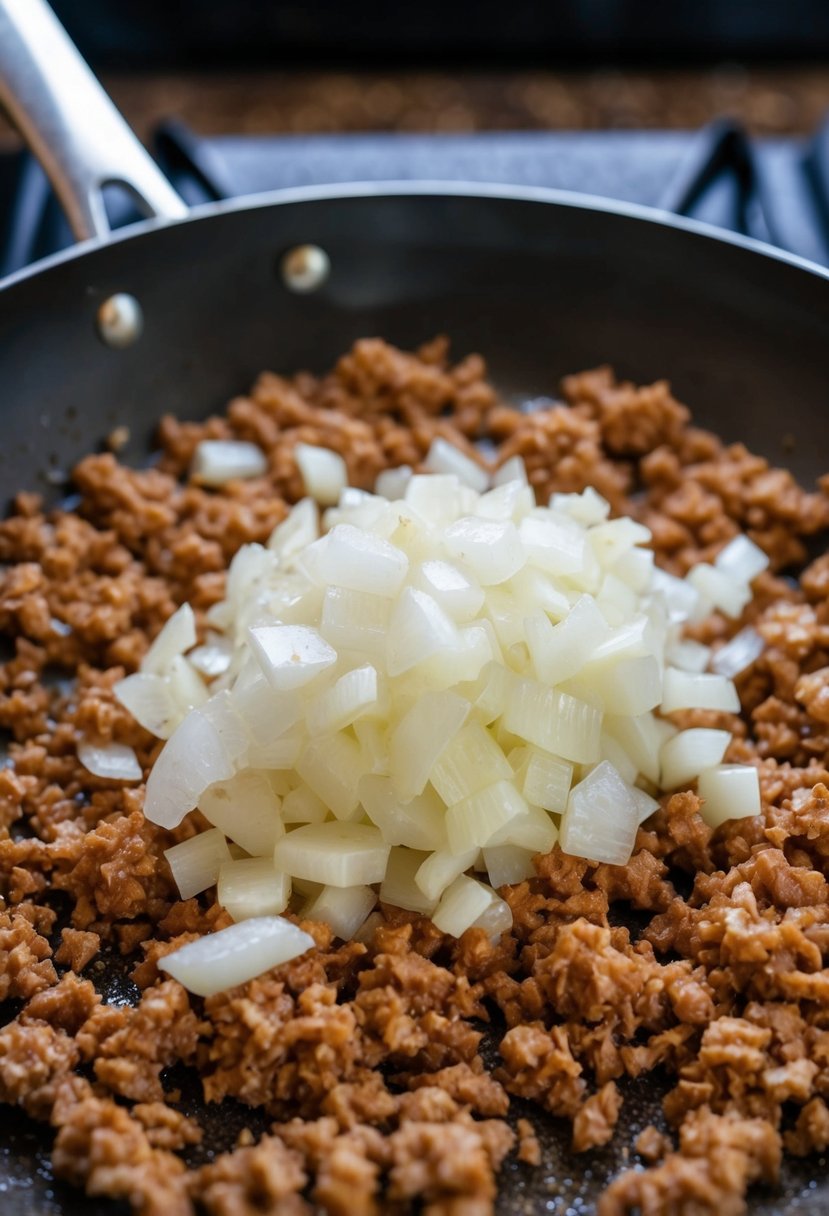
{"type": "Point", "coordinates": [343, 909]}
{"type": "Point", "coordinates": [419, 629]}
{"type": "Point", "coordinates": [419, 823]}
{"type": "Point", "coordinates": [451, 588]}
{"type": "Point", "coordinates": [341, 704]}
{"type": "Point", "coordinates": [601, 819]}
{"type": "Point", "coordinates": [641, 738]}
{"type": "Point", "coordinates": [252, 886]}
{"type": "Point", "coordinates": [332, 766]}
{"type": "Point", "coordinates": [247, 810]}
{"type": "Point", "coordinates": [177, 635]}
{"type": "Point", "coordinates": [720, 589]}
{"type": "Point", "coordinates": [547, 780]}
{"type": "Point", "coordinates": [615, 537]}
{"type": "Point", "coordinates": [495, 919]}
{"type": "Point", "coordinates": [588, 507]}
{"type": "Point", "coordinates": [113, 761]}
{"type": "Point", "coordinates": [217, 461]}
{"type": "Point", "coordinates": [739, 653]}
{"type": "Point", "coordinates": [301, 805]}
{"type": "Point", "coordinates": [461, 904]}
{"type": "Point", "coordinates": [214, 658]}
{"type": "Point", "coordinates": [419, 739]}
{"type": "Point", "coordinates": [685, 755]}
{"type": "Point", "coordinates": [150, 700]}
{"type": "Point", "coordinates": [356, 620]}
{"type": "Point", "coordinates": [490, 548]}
{"type": "Point", "coordinates": [442, 868]}
{"type": "Point", "coordinates": [555, 545]}
{"type": "Point", "coordinates": [290, 655]}
{"type": "Point", "coordinates": [559, 651]}
{"type": "Point", "coordinates": [512, 500]}
{"type": "Point", "coordinates": [391, 483]}
{"type": "Point", "coordinates": [533, 830]}
{"type": "Point", "coordinates": [299, 529]}
{"type": "Point", "coordinates": [336, 854]}
{"type": "Point", "coordinates": [399, 887]}
{"type": "Point", "coordinates": [695, 690]}
{"type": "Point", "coordinates": [193, 759]}
{"type": "Point", "coordinates": [196, 862]}
{"type": "Point", "coordinates": [186, 685]}
{"type": "Point", "coordinates": [553, 721]}
{"type": "Point", "coordinates": [513, 469]}
{"type": "Point", "coordinates": [741, 559]}
{"type": "Point", "coordinates": [324, 473]}
{"type": "Point", "coordinates": [689, 655]}
{"type": "Point", "coordinates": [628, 686]}
{"type": "Point", "coordinates": [508, 864]}
{"type": "Point", "coordinates": [729, 791]}
{"type": "Point", "coordinates": [236, 954]}
{"type": "Point", "coordinates": [476, 820]}
{"type": "Point", "coordinates": [469, 762]}
{"type": "Point", "coordinates": [360, 561]}
{"type": "Point", "coordinates": [444, 457]}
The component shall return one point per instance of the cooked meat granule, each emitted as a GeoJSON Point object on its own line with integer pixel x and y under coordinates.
{"type": "Point", "coordinates": [364, 1059]}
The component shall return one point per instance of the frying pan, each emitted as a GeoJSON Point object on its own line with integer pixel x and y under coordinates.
{"type": "Point", "coordinates": [181, 311]}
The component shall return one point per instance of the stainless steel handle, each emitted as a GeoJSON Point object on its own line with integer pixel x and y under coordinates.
{"type": "Point", "coordinates": [71, 125]}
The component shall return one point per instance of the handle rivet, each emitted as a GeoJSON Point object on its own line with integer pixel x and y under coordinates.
{"type": "Point", "coordinates": [305, 268]}
{"type": "Point", "coordinates": [120, 320]}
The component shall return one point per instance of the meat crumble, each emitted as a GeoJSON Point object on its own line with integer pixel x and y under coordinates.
{"type": "Point", "coordinates": [365, 1058]}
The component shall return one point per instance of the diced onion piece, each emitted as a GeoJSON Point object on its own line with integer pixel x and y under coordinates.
{"type": "Point", "coordinates": [366, 931]}
{"type": "Point", "coordinates": [193, 758]}
{"type": "Point", "coordinates": [729, 791]}
{"type": "Point", "coordinates": [290, 655]}
{"type": "Point", "coordinates": [177, 635]}
{"type": "Point", "coordinates": [460, 905]}
{"type": "Point", "coordinates": [399, 887]}
{"type": "Point", "coordinates": [553, 543]}
{"type": "Point", "coordinates": [513, 469]}
{"type": "Point", "coordinates": [150, 701]}
{"type": "Point", "coordinates": [420, 737]}
{"type": "Point", "coordinates": [186, 685]}
{"type": "Point", "coordinates": [689, 655]}
{"type": "Point", "coordinates": [418, 629]}
{"type": "Point", "coordinates": [438, 498]}
{"type": "Point", "coordinates": [720, 589]}
{"type": "Point", "coordinates": [645, 803]}
{"type": "Point", "coordinates": [217, 461]}
{"type": "Point", "coordinates": [112, 761]}
{"type": "Point", "coordinates": [469, 762]}
{"type": "Point", "coordinates": [336, 854]}
{"type": "Point", "coordinates": [247, 810]}
{"type": "Point", "coordinates": [553, 721]}
{"type": "Point", "coordinates": [739, 653]}
{"type": "Point", "coordinates": [490, 548]}
{"type": "Point", "coordinates": [444, 457]}
{"type": "Point", "coordinates": [547, 781]}
{"type": "Point", "coordinates": [391, 483]}
{"type": "Point", "coordinates": [343, 909]}
{"type": "Point", "coordinates": [698, 690]}
{"type": "Point", "coordinates": [236, 954]}
{"type": "Point", "coordinates": [681, 598]}
{"type": "Point", "coordinates": [475, 820]}
{"type": "Point", "coordinates": [559, 651]}
{"type": "Point", "coordinates": [613, 751]}
{"type": "Point", "coordinates": [496, 919]}
{"type": "Point", "coordinates": [534, 830]}
{"type": "Point", "coordinates": [300, 528]}
{"type": "Point", "coordinates": [635, 568]}
{"type": "Point", "coordinates": [442, 868]}
{"type": "Point", "coordinates": [615, 537]}
{"type": "Point", "coordinates": [356, 620]}
{"type": "Point", "coordinates": [685, 755]}
{"type": "Point", "coordinates": [221, 713]}
{"type": "Point", "coordinates": [741, 559]}
{"type": "Point", "coordinates": [372, 737]}
{"type": "Point", "coordinates": [507, 864]}
{"type": "Point", "coordinates": [418, 824]}
{"type": "Point", "coordinates": [332, 766]}
{"type": "Point", "coordinates": [214, 658]}
{"type": "Point", "coordinates": [602, 818]}
{"type": "Point", "coordinates": [196, 862]}
{"type": "Point", "coordinates": [252, 886]}
{"type": "Point", "coordinates": [359, 560]}
{"type": "Point", "coordinates": [627, 686]}
{"type": "Point", "coordinates": [344, 702]}
{"type": "Point", "coordinates": [451, 588]}
{"type": "Point", "coordinates": [641, 738]}
{"type": "Point", "coordinates": [512, 500]}
{"type": "Point", "coordinates": [588, 507]}
{"type": "Point", "coordinates": [301, 805]}
{"type": "Point", "coordinates": [324, 473]}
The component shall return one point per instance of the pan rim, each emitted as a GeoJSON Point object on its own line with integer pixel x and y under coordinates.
{"type": "Point", "coordinates": [423, 188]}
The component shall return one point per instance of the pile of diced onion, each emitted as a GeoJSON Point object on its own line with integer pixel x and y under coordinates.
{"type": "Point", "coordinates": [408, 698]}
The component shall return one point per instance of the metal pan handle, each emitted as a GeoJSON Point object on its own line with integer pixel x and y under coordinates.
{"type": "Point", "coordinates": [71, 125]}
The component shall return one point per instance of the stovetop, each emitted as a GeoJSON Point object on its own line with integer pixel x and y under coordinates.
{"type": "Point", "coordinates": [773, 189]}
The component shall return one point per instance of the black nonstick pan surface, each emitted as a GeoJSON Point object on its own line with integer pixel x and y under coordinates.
{"type": "Point", "coordinates": [541, 283]}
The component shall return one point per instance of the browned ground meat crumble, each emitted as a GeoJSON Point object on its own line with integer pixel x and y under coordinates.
{"type": "Point", "coordinates": [365, 1057]}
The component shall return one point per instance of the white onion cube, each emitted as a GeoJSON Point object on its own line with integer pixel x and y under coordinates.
{"type": "Point", "coordinates": [217, 461]}
{"type": "Point", "coordinates": [698, 690]}
{"type": "Point", "coordinates": [686, 754]}
{"type": "Point", "coordinates": [491, 549]}
{"type": "Point", "coordinates": [195, 863]}
{"type": "Point", "coordinates": [344, 909]}
{"type": "Point", "coordinates": [444, 457]}
{"type": "Point", "coordinates": [729, 791]}
{"type": "Point", "coordinates": [336, 854]}
{"type": "Point", "coordinates": [252, 886]}
{"type": "Point", "coordinates": [290, 655]}
{"type": "Point", "coordinates": [236, 954]}
{"type": "Point", "coordinates": [324, 473]}
{"type": "Point", "coordinates": [601, 819]}
{"type": "Point", "coordinates": [247, 810]}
